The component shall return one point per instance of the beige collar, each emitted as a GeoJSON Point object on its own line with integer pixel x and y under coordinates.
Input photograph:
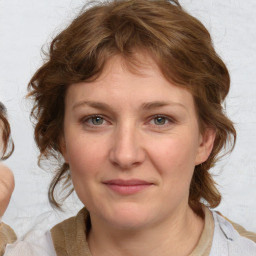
{"type": "Point", "coordinates": [69, 236]}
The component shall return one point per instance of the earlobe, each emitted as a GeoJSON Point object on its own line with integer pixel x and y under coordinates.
{"type": "Point", "coordinates": [206, 144]}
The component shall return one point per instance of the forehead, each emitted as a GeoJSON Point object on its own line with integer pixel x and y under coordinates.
{"type": "Point", "coordinates": [129, 91]}
{"type": "Point", "coordinates": [138, 80]}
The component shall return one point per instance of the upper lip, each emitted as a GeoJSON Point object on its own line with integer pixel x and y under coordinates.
{"type": "Point", "coordinates": [130, 182]}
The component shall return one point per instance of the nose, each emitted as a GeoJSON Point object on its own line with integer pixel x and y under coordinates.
{"type": "Point", "coordinates": [127, 150]}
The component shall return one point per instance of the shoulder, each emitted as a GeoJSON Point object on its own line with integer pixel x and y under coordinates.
{"type": "Point", "coordinates": [69, 236]}
{"type": "Point", "coordinates": [7, 236]}
{"type": "Point", "coordinates": [69, 226]}
{"type": "Point", "coordinates": [35, 243]}
{"type": "Point", "coordinates": [227, 241]}
{"type": "Point", "coordinates": [63, 239]}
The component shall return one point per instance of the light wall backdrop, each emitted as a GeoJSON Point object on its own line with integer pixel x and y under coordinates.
{"type": "Point", "coordinates": [27, 25]}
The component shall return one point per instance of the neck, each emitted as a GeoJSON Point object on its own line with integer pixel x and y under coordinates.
{"type": "Point", "coordinates": [178, 236]}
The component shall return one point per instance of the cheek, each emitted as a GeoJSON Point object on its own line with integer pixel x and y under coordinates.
{"type": "Point", "coordinates": [85, 155]}
{"type": "Point", "coordinates": [176, 150]}
{"type": "Point", "coordinates": [174, 161]}
{"type": "Point", "coordinates": [174, 158]}
{"type": "Point", "coordinates": [84, 161]}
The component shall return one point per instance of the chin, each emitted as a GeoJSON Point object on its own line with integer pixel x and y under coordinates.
{"type": "Point", "coordinates": [129, 218]}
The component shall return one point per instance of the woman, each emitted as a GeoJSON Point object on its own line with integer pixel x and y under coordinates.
{"type": "Point", "coordinates": [6, 145]}
{"type": "Point", "coordinates": [6, 176]}
{"type": "Point", "coordinates": [6, 149]}
{"type": "Point", "coordinates": [130, 104]}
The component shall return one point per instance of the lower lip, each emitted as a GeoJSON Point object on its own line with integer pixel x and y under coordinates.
{"type": "Point", "coordinates": [129, 189]}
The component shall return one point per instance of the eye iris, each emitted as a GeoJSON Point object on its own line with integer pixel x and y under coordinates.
{"type": "Point", "coordinates": [97, 120]}
{"type": "Point", "coordinates": [159, 120]}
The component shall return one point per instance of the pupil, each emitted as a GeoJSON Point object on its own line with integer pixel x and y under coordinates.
{"type": "Point", "coordinates": [97, 120]}
{"type": "Point", "coordinates": [159, 120]}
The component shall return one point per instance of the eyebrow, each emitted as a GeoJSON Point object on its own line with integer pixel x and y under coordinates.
{"type": "Point", "coordinates": [158, 104]}
{"type": "Point", "coordinates": [144, 106]}
{"type": "Point", "coordinates": [93, 104]}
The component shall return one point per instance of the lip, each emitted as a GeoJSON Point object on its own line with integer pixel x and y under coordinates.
{"type": "Point", "coordinates": [127, 187]}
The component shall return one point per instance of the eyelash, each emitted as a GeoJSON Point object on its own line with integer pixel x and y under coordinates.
{"type": "Point", "coordinates": [167, 119]}
{"type": "Point", "coordinates": [86, 120]}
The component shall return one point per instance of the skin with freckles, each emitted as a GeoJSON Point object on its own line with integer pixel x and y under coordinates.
{"type": "Point", "coordinates": [132, 141]}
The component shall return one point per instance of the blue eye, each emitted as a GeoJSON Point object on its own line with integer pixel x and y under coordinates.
{"type": "Point", "coordinates": [93, 120]}
{"type": "Point", "coordinates": [160, 120]}
{"type": "Point", "coordinates": [96, 120]}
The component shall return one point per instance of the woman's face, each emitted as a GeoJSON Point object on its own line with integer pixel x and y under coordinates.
{"type": "Point", "coordinates": [132, 141]}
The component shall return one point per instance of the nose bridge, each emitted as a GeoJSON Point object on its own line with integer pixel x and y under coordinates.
{"type": "Point", "coordinates": [126, 150]}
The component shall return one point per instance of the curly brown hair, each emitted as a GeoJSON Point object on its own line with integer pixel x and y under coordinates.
{"type": "Point", "coordinates": [7, 145]}
{"type": "Point", "coordinates": [180, 45]}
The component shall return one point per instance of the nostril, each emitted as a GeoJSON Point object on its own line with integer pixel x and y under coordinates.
{"type": "Point", "coordinates": [126, 151]}
{"type": "Point", "coordinates": [126, 160]}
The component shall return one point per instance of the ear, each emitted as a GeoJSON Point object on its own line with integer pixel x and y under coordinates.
{"type": "Point", "coordinates": [63, 149]}
{"type": "Point", "coordinates": [205, 145]}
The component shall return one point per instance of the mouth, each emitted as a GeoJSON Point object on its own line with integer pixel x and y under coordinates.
{"type": "Point", "coordinates": [127, 187]}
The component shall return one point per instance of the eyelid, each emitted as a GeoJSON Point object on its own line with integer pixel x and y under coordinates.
{"type": "Point", "coordinates": [85, 119]}
{"type": "Point", "coordinates": [171, 120]}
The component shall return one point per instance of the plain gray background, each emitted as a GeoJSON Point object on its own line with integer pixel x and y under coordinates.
{"type": "Point", "coordinates": [27, 25]}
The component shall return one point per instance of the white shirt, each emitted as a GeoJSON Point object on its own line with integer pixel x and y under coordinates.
{"type": "Point", "coordinates": [35, 243]}
{"type": "Point", "coordinates": [226, 242]}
